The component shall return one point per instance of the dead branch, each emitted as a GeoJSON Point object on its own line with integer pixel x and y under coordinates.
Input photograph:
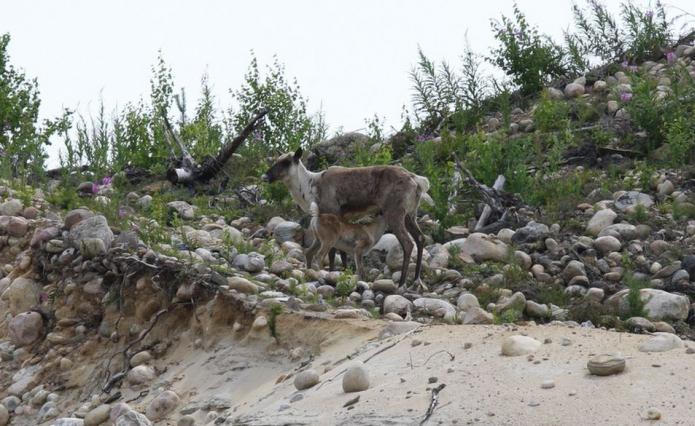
{"type": "Point", "coordinates": [433, 403]}
{"type": "Point", "coordinates": [451, 356]}
{"type": "Point", "coordinates": [189, 171]}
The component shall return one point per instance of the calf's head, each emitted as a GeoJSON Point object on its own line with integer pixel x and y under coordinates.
{"type": "Point", "coordinates": [283, 167]}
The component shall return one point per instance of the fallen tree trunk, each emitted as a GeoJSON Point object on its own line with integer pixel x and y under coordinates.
{"type": "Point", "coordinates": [186, 170]}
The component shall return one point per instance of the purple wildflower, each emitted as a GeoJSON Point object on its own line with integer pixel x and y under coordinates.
{"type": "Point", "coordinates": [649, 14]}
{"type": "Point", "coordinates": [633, 68]}
{"type": "Point", "coordinates": [625, 97]}
{"type": "Point", "coordinates": [122, 212]}
{"type": "Point", "coordinates": [670, 57]}
{"type": "Point", "coordinates": [106, 181]}
{"type": "Point", "coordinates": [43, 297]}
{"type": "Point", "coordinates": [95, 188]}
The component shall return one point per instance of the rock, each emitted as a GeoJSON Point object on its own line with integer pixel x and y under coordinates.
{"type": "Point", "coordinates": [600, 86]}
{"type": "Point", "coordinates": [436, 307]}
{"type": "Point", "coordinates": [132, 418]}
{"type": "Point", "coordinates": [681, 276]}
{"type": "Point", "coordinates": [199, 238]}
{"type": "Point", "coordinates": [86, 234]}
{"type": "Point", "coordinates": [479, 247]}
{"type": "Point", "coordinates": [688, 263]}
{"type": "Point", "coordinates": [242, 285]}
{"type": "Point", "coordinates": [186, 421]}
{"type": "Point", "coordinates": [76, 216]}
{"type": "Point", "coordinates": [607, 244]}
{"type": "Point", "coordinates": [658, 304]}
{"type": "Point", "coordinates": [385, 286]}
{"type": "Point", "coordinates": [252, 262]}
{"type": "Point", "coordinates": [516, 302]}
{"type": "Point", "coordinates": [11, 207]}
{"type": "Point", "coordinates": [67, 421]}
{"type": "Point", "coordinates": [144, 202]}
{"type": "Point", "coordinates": [98, 415]}
{"type": "Point", "coordinates": [183, 209]}
{"type": "Point", "coordinates": [288, 231]}
{"type": "Point", "coordinates": [661, 342]}
{"type": "Point", "coordinates": [281, 267]}
{"type": "Point", "coordinates": [639, 325]}
{"type": "Point", "coordinates": [537, 310]}
{"type": "Point", "coordinates": [664, 327]}
{"type": "Point", "coordinates": [140, 358]}
{"type": "Point", "coordinates": [574, 90]}
{"type": "Point", "coordinates": [140, 375]}
{"type": "Point", "coordinates": [652, 414]}
{"type": "Point", "coordinates": [306, 379]}
{"type": "Point", "coordinates": [612, 106]}
{"type": "Point", "coordinates": [476, 315]}
{"type": "Point", "coordinates": [467, 301]}
{"type": "Point", "coordinates": [117, 410]}
{"type": "Point", "coordinates": [548, 384]}
{"type": "Point", "coordinates": [25, 328]}
{"type": "Point", "coordinates": [606, 365]}
{"type": "Point", "coordinates": [398, 328]}
{"type": "Point", "coordinates": [356, 378]}
{"type": "Point", "coordinates": [631, 199]}
{"type": "Point", "coordinates": [21, 295]}
{"type": "Point", "coordinates": [16, 226]}
{"type": "Point", "coordinates": [336, 150]}
{"type": "Point", "coordinates": [4, 416]}
{"type": "Point", "coordinates": [397, 304]}
{"type": "Point", "coordinates": [531, 233]}
{"type": "Point", "coordinates": [625, 231]}
{"type": "Point", "coordinates": [573, 269]}
{"type": "Point", "coordinates": [595, 295]}
{"type": "Point", "coordinates": [665, 188]}
{"type": "Point", "coordinates": [519, 345]}
{"type": "Point", "coordinates": [162, 405]}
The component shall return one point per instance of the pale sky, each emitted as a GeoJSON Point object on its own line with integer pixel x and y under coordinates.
{"type": "Point", "coordinates": [350, 57]}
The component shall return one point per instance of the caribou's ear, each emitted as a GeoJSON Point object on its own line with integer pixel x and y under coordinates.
{"type": "Point", "coordinates": [298, 154]}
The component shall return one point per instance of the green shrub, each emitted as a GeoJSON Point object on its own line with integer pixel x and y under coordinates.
{"type": "Point", "coordinates": [530, 59]}
{"type": "Point", "coordinates": [509, 316]}
{"type": "Point", "coordinates": [346, 284]}
{"type": "Point", "coordinates": [634, 301]}
{"type": "Point", "coordinates": [638, 34]}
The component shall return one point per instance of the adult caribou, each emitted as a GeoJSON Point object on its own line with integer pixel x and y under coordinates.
{"type": "Point", "coordinates": [351, 192]}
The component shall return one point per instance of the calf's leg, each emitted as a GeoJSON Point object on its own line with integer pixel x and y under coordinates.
{"type": "Point", "coordinates": [396, 222]}
{"type": "Point", "coordinates": [418, 236]}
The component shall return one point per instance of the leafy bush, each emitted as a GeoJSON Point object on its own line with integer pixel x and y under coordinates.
{"type": "Point", "coordinates": [22, 139]}
{"type": "Point", "coordinates": [442, 95]}
{"type": "Point", "coordinates": [634, 301]}
{"type": "Point", "coordinates": [636, 35]}
{"type": "Point", "coordinates": [530, 59]}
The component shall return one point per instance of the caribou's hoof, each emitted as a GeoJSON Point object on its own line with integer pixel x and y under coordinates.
{"type": "Point", "coordinates": [419, 286]}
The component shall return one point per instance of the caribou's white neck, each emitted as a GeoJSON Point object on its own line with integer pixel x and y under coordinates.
{"type": "Point", "coordinates": [301, 186]}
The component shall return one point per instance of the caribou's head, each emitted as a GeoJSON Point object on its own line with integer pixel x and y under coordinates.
{"type": "Point", "coordinates": [283, 167]}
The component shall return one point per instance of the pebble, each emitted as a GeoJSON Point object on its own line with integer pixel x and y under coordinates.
{"type": "Point", "coordinates": [548, 384]}
{"type": "Point", "coordinates": [653, 414]}
{"type": "Point", "coordinates": [606, 365]}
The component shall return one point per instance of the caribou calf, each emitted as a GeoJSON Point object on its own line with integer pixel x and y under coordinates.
{"type": "Point", "coordinates": [331, 231]}
{"type": "Point", "coordinates": [358, 191]}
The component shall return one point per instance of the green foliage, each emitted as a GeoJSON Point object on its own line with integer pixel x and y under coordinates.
{"type": "Point", "coordinates": [551, 294]}
{"type": "Point", "coordinates": [639, 214]}
{"type": "Point", "coordinates": [443, 95]}
{"type": "Point", "coordinates": [530, 59]}
{"type": "Point", "coordinates": [680, 137]}
{"type": "Point", "coordinates": [636, 35]}
{"type": "Point", "coordinates": [509, 316]}
{"type": "Point", "coordinates": [634, 301]}
{"type": "Point", "coordinates": [346, 284]}
{"type": "Point", "coordinates": [550, 114]}
{"type": "Point", "coordinates": [275, 311]}
{"type": "Point", "coordinates": [22, 139]}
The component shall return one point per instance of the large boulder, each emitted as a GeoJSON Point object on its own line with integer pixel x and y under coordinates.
{"type": "Point", "coordinates": [11, 207]}
{"type": "Point", "coordinates": [479, 247]}
{"type": "Point", "coordinates": [436, 307]}
{"type": "Point", "coordinates": [397, 304]}
{"type": "Point", "coordinates": [336, 150]}
{"type": "Point", "coordinates": [162, 405]}
{"type": "Point", "coordinates": [25, 328]}
{"type": "Point", "coordinates": [658, 304]}
{"type": "Point", "coordinates": [519, 345]}
{"type": "Point", "coordinates": [76, 216]}
{"type": "Point", "coordinates": [600, 220]}
{"type": "Point", "coordinates": [288, 231]}
{"type": "Point", "coordinates": [21, 295]}
{"type": "Point", "coordinates": [627, 201]}
{"type": "Point", "coordinates": [530, 233]}
{"type": "Point", "coordinates": [182, 209]}
{"type": "Point", "coordinates": [661, 342]}
{"type": "Point", "coordinates": [92, 236]}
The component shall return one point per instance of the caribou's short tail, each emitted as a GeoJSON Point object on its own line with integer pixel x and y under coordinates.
{"type": "Point", "coordinates": [424, 185]}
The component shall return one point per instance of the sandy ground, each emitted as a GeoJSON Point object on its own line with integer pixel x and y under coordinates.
{"type": "Point", "coordinates": [482, 387]}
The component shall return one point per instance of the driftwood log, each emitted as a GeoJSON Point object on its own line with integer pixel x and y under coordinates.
{"type": "Point", "coordinates": [500, 209]}
{"type": "Point", "coordinates": [186, 170]}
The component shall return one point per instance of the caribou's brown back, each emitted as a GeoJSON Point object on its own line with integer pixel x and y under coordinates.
{"type": "Point", "coordinates": [361, 190]}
